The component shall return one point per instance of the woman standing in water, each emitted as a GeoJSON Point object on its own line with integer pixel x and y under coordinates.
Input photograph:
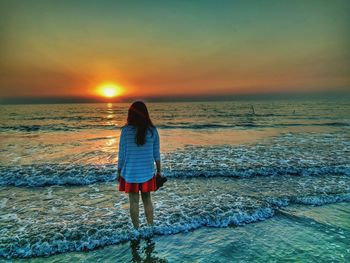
{"type": "Point", "coordinates": [139, 149]}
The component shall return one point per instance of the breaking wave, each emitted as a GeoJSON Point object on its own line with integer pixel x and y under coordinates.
{"type": "Point", "coordinates": [74, 174]}
{"type": "Point", "coordinates": [244, 124]}
{"type": "Point", "coordinates": [80, 236]}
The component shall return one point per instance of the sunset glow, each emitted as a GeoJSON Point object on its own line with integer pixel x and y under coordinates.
{"type": "Point", "coordinates": [109, 90]}
{"type": "Point", "coordinates": [172, 49]}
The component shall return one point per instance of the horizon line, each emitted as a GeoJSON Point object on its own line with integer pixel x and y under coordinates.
{"type": "Point", "coordinates": [172, 98]}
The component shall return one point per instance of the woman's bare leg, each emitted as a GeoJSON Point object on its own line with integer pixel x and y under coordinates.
{"type": "Point", "coordinates": [147, 204]}
{"type": "Point", "coordinates": [134, 208]}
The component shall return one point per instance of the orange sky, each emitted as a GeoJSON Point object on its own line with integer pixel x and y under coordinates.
{"type": "Point", "coordinates": [170, 48]}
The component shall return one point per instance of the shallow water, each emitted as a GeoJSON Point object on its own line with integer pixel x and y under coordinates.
{"type": "Point", "coordinates": [227, 166]}
{"type": "Point", "coordinates": [295, 234]}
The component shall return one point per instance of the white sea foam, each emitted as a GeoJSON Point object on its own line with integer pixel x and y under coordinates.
{"type": "Point", "coordinates": [43, 175]}
{"type": "Point", "coordinates": [83, 218]}
{"type": "Point", "coordinates": [321, 200]}
{"type": "Point", "coordinates": [77, 240]}
{"type": "Point", "coordinates": [289, 154]}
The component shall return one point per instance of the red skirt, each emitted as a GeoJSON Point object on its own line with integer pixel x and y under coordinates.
{"type": "Point", "coordinates": [144, 187]}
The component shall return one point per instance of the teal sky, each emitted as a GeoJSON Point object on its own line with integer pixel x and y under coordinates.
{"type": "Point", "coordinates": [164, 48]}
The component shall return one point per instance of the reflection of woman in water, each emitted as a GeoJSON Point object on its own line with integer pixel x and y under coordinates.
{"type": "Point", "coordinates": [146, 253]}
{"type": "Point", "coordinates": [138, 151]}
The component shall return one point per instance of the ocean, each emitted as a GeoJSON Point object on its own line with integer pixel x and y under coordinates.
{"type": "Point", "coordinates": [244, 178]}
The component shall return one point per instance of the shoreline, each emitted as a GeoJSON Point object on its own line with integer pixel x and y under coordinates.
{"type": "Point", "coordinates": [145, 234]}
{"type": "Point", "coordinates": [206, 242]}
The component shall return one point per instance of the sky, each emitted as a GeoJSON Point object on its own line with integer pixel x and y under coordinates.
{"type": "Point", "coordinates": [173, 48]}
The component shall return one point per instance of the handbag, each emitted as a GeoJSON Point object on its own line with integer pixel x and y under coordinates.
{"type": "Point", "coordinates": [160, 180]}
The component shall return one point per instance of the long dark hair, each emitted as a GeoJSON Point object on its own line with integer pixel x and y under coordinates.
{"type": "Point", "coordinates": [138, 116]}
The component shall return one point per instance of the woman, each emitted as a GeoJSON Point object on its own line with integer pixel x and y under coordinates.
{"type": "Point", "coordinates": [138, 151]}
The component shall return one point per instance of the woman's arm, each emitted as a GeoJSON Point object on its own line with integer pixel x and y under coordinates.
{"type": "Point", "coordinates": [156, 151]}
{"type": "Point", "coordinates": [159, 171]}
{"type": "Point", "coordinates": [121, 153]}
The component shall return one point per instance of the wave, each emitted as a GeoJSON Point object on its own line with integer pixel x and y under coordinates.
{"type": "Point", "coordinates": [55, 127]}
{"type": "Point", "coordinates": [88, 239]}
{"type": "Point", "coordinates": [248, 124]}
{"type": "Point", "coordinates": [264, 171]}
{"type": "Point", "coordinates": [322, 200]}
{"type": "Point", "coordinates": [37, 175]}
{"type": "Point", "coordinates": [110, 116]}
{"type": "Point", "coordinates": [288, 154]}
{"type": "Point", "coordinates": [242, 124]}
{"type": "Point", "coordinates": [337, 124]}
{"type": "Point", "coordinates": [82, 237]}
{"type": "Point", "coordinates": [194, 126]}
{"type": "Point", "coordinates": [56, 174]}
{"type": "Point", "coordinates": [62, 118]}
{"type": "Point", "coordinates": [213, 114]}
{"type": "Point", "coordinates": [315, 200]}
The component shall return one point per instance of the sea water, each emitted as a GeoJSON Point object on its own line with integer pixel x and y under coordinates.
{"type": "Point", "coordinates": [228, 163]}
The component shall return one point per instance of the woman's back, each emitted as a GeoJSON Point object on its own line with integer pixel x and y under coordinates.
{"type": "Point", "coordinates": [137, 161]}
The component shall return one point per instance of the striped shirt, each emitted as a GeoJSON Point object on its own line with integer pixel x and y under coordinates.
{"type": "Point", "coordinates": [136, 162]}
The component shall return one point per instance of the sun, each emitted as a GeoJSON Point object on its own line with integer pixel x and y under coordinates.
{"type": "Point", "coordinates": [109, 90]}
